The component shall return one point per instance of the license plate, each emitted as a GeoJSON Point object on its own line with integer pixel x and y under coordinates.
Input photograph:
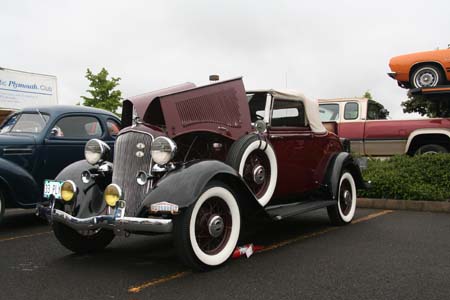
{"type": "Point", "coordinates": [52, 187]}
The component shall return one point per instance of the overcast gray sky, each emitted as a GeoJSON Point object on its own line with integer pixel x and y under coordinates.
{"type": "Point", "coordinates": [326, 49]}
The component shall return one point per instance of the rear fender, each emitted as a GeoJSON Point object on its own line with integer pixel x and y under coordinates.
{"type": "Point", "coordinates": [185, 185]}
{"type": "Point", "coordinates": [342, 161]}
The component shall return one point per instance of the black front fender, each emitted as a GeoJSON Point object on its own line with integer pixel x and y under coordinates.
{"type": "Point", "coordinates": [89, 198]}
{"type": "Point", "coordinates": [20, 187]}
{"type": "Point", "coordinates": [184, 186]}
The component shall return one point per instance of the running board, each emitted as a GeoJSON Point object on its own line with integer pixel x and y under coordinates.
{"type": "Point", "coordinates": [279, 212]}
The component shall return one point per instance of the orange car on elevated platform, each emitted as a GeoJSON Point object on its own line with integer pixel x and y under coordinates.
{"type": "Point", "coordinates": [421, 69]}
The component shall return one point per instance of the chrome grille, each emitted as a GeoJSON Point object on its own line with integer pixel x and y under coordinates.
{"type": "Point", "coordinates": [127, 163]}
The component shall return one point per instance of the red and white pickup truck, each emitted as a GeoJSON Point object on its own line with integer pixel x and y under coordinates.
{"type": "Point", "coordinates": [364, 123]}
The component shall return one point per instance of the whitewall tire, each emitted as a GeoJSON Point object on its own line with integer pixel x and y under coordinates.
{"type": "Point", "coordinates": [206, 233]}
{"type": "Point", "coordinates": [344, 210]}
{"type": "Point", "coordinates": [256, 162]}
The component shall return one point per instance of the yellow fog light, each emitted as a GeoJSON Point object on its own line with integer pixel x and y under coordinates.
{"type": "Point", "coordinates": [112, 194]}
{"type": "Point", "coordinates": [68, 190]}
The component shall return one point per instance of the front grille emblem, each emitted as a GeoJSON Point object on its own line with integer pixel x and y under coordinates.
{"type": "Point", "coordinates": [140, 146]}
{"type": "Point", "coordinates": [140, 154]}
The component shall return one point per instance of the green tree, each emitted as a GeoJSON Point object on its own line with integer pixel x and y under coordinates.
{"type": "Point", "coordinates": [368, 95]}
{"type": "Point", "coordinates": [103, 92]}
{"type": "Point", "coordinates": [376, 110]}
{"type": "Point", "coordinates": [432, 106]}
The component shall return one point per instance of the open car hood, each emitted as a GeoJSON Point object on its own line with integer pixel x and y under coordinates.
{"type": "Point", "coordinates": [221, 108]}
{"type": "Point", "coordinates": [141, 102]}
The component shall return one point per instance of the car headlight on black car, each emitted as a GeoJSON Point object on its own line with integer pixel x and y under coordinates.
{"type": "Point", "coordinates": [96, 151]}
{"type": "Point", "coordinates": [163, 150]}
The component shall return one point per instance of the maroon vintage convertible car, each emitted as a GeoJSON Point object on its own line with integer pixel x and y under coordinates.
{"type": "Point", "coordinates": [196, 161]}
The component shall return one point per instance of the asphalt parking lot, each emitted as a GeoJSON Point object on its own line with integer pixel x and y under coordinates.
{"type": "Point", "coordinates": [382, 255]}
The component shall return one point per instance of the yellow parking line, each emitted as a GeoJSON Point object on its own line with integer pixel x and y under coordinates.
{"type": "Point", "coordinates": [153, 282]}
{"type": "Point", "coordinates": [138, 288]}
{"type": "Point", "coordinates": [372, 216]}
{"type": "Point", "coordinates": [317, 233]}
{"type": "Point", "coordinates": [296, 239]}
{"type": "Point", "coordinates": [23, 236]}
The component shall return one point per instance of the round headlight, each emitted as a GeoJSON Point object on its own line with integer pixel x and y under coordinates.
{"type": "Point", "coordinates": [68, 190]}
{"type": "Point", "coordinates": [112, 194]}
{"type": "Point", "coordinates": [163, 150]}
{"type": "Point", "coordinates": [96, 151]}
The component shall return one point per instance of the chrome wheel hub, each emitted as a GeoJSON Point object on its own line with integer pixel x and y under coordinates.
{"type": "Point", "coordinates": [426, 79]}
{"type": "Point", "coordinates": [215, 226]}
{"type": "Point", "coordinates": [259, 174]}
{"type": "Point", "coordinates": [347, 197]}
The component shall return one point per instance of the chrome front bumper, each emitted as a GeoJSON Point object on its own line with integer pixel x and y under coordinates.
{"type": "Point", "coordinates": [393, 75]}
{"type": "Point", "coordinates": [117, 222]}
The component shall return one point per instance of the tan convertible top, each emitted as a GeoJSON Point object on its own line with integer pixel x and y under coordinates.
{"type": "Point", "coordinates": [311, 106]}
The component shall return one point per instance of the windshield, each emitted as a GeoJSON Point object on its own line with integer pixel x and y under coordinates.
{"type": "Point", "coordinates": [257, 105]}
{"type": "Point", "coordinates": [26, 122]}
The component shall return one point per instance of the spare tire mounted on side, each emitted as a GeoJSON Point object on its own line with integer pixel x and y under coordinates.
{"type": "Point", "coordinates": [255, 160]}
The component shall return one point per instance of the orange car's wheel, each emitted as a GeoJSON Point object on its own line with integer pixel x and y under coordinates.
{"type": "Point", "coordinates": [426, 76]}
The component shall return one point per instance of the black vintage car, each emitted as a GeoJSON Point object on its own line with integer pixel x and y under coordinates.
{"type": "Point", "coordinates": [37, 143]}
